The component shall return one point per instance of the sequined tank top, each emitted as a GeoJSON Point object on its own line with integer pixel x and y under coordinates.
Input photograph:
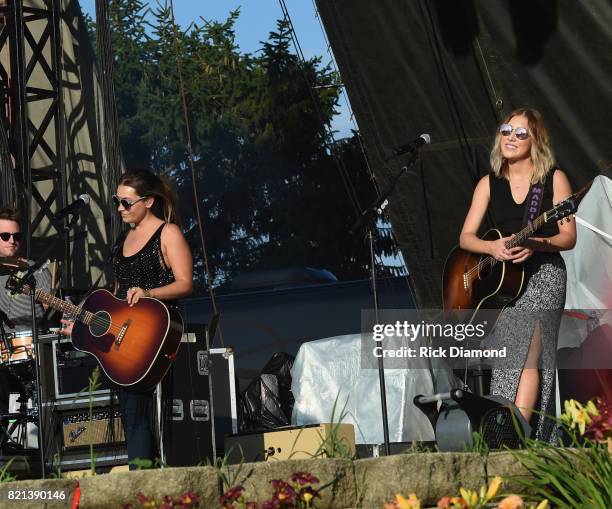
{"type": "Point", "coordinates": [145, 269]}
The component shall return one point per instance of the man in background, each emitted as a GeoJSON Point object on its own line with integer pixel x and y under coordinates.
{"type": "Point", "coordinates": [16, 307]}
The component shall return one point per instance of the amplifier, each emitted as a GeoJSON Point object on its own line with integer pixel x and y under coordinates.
{"type": "Point", "coordinates": [72, 370]}
{"type": "Point", "coordinates": [79, 430]}
{"type": "Point", "coordinates": [286, 443]}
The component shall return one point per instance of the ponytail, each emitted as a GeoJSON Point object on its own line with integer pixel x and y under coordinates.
{"type": "Point", "coordinates": [168, 197]}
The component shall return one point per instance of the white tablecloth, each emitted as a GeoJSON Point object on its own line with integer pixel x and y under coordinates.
{"type": "Point", "coordinates": [327, 371]}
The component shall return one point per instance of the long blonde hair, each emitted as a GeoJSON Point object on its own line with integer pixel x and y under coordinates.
{"type": "Point", "coordinates": [541, 155]}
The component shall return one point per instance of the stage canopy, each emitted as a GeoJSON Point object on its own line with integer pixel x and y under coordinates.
{"type": "Point", "coordinates": [453, 70]}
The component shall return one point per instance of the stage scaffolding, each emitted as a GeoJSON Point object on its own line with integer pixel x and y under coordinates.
{"type": "Point", "coordinates": [55, 142]}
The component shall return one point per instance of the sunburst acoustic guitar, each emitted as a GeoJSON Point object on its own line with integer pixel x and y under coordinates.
{"type": "Point", "coordinates": [135, 346]}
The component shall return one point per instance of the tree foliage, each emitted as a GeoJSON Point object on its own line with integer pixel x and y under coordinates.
{"type": "Point", "coordinates": [268, 178]}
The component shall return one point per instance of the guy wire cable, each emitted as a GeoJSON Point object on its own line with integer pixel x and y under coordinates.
{"type": "Point", "coordinates": [404, 270]}
{"type": "Point", "coordinates": [329, 135]}
{"type": "Point", "coordinates": [179, 67]}
{"type": "Point", "coordinates": [345, 95]}
{"type": "Point", "coordinates": [112, 146]}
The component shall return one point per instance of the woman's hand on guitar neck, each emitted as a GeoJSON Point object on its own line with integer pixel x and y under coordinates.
{"type": "Point", "coordinates": [498, 250]}
{"type": "Point", "coordinates": [520, 254]}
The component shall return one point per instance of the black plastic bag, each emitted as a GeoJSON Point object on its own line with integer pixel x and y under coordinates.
{"type": "Point", "coordinates": [267, 402]}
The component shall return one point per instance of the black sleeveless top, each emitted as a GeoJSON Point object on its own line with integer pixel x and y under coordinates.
{"type": "Point", "coordinates": [145, 269]}
{"type": "Point", "coordinates": [507, 215]}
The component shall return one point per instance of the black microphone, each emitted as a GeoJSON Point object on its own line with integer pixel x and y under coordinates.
{"type": "Point", "coordinates": [74, 208]}
{"type": "Point", "coordinates": [413, 146]}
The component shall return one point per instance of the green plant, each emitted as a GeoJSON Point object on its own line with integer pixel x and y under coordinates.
{"type": "Point", "coordinates": [575, 477]}
{"type": "Point", "coordinates": [417, 448]}
{"type": "Point", "coordinates": [93, 387]}
{"type": "Point", "coordinates": [361, 487]}
{"type": "Point", "coordinates": [147, 464]}
{"type": "Point", "coordinates": [230, 475]}
{"type": "Point", "coordinates": [5, 475]}
{"type": "Point", "coordinates": [57, 468]}
{"type": "Point", "coordinates": [478, 446]}
{"type": "Point", "coordinates": [333, 445]}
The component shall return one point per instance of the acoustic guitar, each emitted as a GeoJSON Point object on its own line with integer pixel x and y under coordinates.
{"type": "Point", "coordinates": [134, 346]}
{"type": "Point", "coordinates": [473, 282]}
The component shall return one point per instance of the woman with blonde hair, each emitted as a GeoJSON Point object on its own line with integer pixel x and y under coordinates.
{"type": "Point", "coordinates": [522, 164]}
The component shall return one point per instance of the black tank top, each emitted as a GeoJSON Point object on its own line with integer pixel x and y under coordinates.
{"type": "Point", "coordinates": [507, 215]}
{"type": "Point", "coordinates": [145, 269]}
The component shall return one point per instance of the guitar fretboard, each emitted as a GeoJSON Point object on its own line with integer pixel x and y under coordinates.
{"type": "Point", "coordinates": [526, 232]}
{"type": "Point", "coordinates": [65, 307]}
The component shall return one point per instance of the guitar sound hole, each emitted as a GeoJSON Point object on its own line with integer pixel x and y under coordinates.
{"type": "Point", "coordinates": [100, 323]}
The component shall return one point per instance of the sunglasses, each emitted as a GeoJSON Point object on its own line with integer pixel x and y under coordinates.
{"type": "Point", "coordinates": [520, 132]}
{"type": "Point", "coordinates": [124, 202]}
{"type": "Point", "coordinates": [5, 236]}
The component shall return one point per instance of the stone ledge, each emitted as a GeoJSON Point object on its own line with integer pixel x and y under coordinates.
{"type": "Point", "coordinates": [366, 483]}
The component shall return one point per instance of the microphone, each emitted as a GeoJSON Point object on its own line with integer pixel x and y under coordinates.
{"type": "Point", "coordinates": [413, 146]}
{"type": "Point", "coordinates": [74, 208]}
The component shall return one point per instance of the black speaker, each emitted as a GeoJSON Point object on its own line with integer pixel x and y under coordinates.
{"type": "Point", "coordinates": [187, 429]}
{"type": "Point", "coordinates": [457, 414]}
{"type": "Point", "coordinates": [198, 400]}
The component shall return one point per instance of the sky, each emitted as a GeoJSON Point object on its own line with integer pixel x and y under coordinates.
{"type": "Point", "coordinates": [257, 19]}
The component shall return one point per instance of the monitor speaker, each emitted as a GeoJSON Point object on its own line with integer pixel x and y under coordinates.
{"type": "Point", "coordinates": [457, 415]}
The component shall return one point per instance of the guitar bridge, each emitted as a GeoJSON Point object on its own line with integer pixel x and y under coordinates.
{"type": "Point", "coordinates": [121, 334]}
{"type": "Point", "coordinates": [465, 281]}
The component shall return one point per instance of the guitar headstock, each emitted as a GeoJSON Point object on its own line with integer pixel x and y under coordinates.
{"type": "Point", "coordinates": [563, 209]}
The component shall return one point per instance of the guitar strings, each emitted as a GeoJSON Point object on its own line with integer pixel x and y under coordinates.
{"type": "Point", "coordinates": [489, 260]}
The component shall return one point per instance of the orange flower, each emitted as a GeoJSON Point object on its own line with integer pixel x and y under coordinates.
{"type": "Point", "coordinates": [452, 503]}
{"type": "Point", "coordinates": [400, 502]}
{"type": "Point", "coordinates": [511, 502]}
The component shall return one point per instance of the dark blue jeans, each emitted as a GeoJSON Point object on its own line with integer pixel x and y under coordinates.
{"type": "Point", "coordinates": [137, 415]}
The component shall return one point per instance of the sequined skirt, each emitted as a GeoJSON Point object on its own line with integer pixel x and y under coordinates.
{"type": "Point", "coordinates": [542, 303]}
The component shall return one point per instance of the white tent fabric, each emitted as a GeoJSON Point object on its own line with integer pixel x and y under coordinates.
{"type": "Point", "coordinates": [589, 266]}
{"type": "Point", "coordinates": [328, 379]}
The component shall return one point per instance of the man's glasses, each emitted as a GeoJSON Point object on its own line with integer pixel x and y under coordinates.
{"type": "Point", "coordinates": [520, 132]}
{"type": "Point", "coordinates": [125, 203]}
{"type": "Point", "coordinates": [5, 236]}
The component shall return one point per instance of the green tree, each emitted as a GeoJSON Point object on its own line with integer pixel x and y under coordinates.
{"type": "Point", "coordinates": [268, 176]}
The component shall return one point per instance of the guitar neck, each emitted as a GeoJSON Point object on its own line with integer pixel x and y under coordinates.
{"type": "Point", "coordinates": [519, 238]}
{"type": "Point", "coordinates": [570, 208]}
{"type": "Point", "coordinates": [65, 307]}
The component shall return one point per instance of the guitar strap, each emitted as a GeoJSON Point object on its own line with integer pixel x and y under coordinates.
{"type": "Point", "coordinates": [533, 203]}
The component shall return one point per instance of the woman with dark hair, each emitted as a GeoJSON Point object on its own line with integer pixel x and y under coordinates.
{"type": "Point", "coordinates": [152, 260]}
{"type": "Point", "coordinates": [521, 159]}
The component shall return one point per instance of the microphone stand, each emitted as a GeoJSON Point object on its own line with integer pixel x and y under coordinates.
{"type": "Point", "coordinates": [4, 319]}
{"type": "Point", "coordinates": [367, 220]}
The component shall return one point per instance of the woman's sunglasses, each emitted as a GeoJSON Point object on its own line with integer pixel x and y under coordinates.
{"type": "Point", "coordinates": [520, 132]}
{"type": "Point", "coordinates": [5, 236]}
{"type": "Point", "coordinates": [125, 203]}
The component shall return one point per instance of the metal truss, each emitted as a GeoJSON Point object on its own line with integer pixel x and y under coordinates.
{"type": "Point", "coordinates": [32, 109]}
